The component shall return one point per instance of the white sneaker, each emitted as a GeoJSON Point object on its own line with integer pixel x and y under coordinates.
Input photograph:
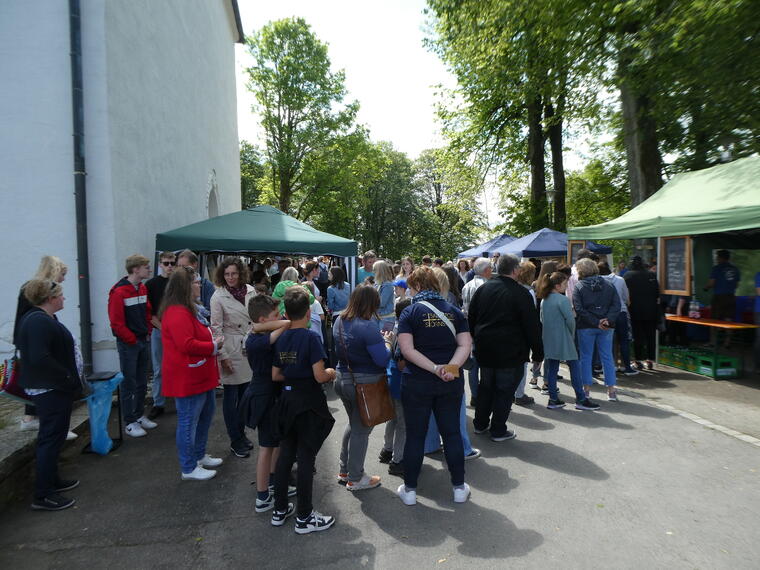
{"type": "Point", "coordinates": [31, 425]}
{"type": "Point", "coordinates": [146, 423]}
{"type": "Point", "coordinates": [208, 461]}
{"type": "Point", "coordinates": [199, 474]}
{"type": "Point", "coordinates": [461, 495]}
{"type": "Point", "coordinates": [407, 496]}
{"type": "Point", "coordinates": [135, 430]}
{"type": "Point", "coordinates": [71, 435]}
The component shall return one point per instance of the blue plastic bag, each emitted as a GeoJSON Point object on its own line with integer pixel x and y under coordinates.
{"type": "Point", "coordinates": [99, 406]}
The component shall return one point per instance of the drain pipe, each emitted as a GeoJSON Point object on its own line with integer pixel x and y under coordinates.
{"type": "Point", "coordinates": [80, 185]}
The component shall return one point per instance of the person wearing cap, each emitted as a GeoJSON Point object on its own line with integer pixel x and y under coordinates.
{"type": "Point", "coordinates": [399, 289]}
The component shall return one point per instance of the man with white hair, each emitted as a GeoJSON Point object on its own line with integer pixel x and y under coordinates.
{"type": "Point", "coordinates": [482, 272]}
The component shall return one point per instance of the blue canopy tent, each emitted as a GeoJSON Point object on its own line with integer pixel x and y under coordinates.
{"type": "Point", "coordinates": [545, 243]}
{"type": "Point", "coordinates": [485, 249]}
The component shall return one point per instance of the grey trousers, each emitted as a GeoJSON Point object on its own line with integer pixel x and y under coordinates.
{"type": "Point", "coordinates": [353, 449]}
{"type": "Point", "coordinates": [395, 433]}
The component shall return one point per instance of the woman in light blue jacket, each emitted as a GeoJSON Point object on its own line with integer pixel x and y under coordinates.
{"type": "Point", "coordinates": [559, 340]}
{"type": "Point", "coordinates": [338, 291]}
{"type": "Point", "coordinates": [384, 285]}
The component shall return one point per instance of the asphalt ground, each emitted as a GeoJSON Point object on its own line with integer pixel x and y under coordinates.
{"type": "Point", "coordinates": [630, 486]}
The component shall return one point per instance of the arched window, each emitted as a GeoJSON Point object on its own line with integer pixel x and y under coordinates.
{"type": "Point", "coordinates": [213, 196]}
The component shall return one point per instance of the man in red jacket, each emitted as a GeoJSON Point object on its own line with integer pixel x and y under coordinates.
{"type": "Point", "coordinates": [129, 311]}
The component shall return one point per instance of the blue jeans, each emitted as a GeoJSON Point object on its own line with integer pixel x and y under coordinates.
{"type": "Point", "coordinates": [133, 359]}
{"type": "Point", "coordinates": [232, 419]}
{"type": "Point", "coordinates": [473, 377]}
{"type": "Point", "coordinates": [623, 336]}
{"type": "Point", "coordinates": [156, 353]}
{"type": "Point", "coordinates": [419, 396]}
{"type": "Point", "coordinates": [602, 340]}
{"type": "Point", "coordinates": [433, 438]}
{"type": "Point", "coordinates": [551, 368]}
{"type": "Point", "coordinates": [495, 396]}
{"type": "Point", "coordinates": [194, 415]}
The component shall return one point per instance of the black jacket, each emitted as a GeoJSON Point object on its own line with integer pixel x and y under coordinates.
{"type": "Point", "coordinates": [46, 348]}
{"type": "Point", "coordinates": [504, 324]}
{"type": "Point", "coordinates": [644, 291]}
{"type": "Point", "coordinates": [595, 299]}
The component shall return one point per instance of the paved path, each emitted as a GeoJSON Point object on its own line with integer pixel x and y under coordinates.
{"type": "Point", "coordinates": [631, 486]}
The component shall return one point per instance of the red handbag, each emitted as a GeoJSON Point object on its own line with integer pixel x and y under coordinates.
{"type": "Point", "coordinates": [9, 374]}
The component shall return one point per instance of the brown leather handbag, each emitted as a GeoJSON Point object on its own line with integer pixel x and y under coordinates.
{"type": "Point", "coordinates": [374, 400]}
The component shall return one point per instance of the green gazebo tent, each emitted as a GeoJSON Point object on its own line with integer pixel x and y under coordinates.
{"type": "Point", "coordinates": [262, 229]}
{"type": "Point", "coordinates": [724, 198]}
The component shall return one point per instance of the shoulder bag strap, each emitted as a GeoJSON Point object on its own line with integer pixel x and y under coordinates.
{"type": "Point", "coordinates": [345, 350]}
{"type": "Point", "coordinates": [441, 316]}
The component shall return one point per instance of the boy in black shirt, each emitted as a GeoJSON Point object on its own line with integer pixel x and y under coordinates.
{"type": "Point", "coordinates": [262, 393]}
{"type": "Point", "coordinates": [301, 416]}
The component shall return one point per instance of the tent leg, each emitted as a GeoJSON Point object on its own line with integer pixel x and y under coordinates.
{"type": "Point", "coordinates": [657, 337]}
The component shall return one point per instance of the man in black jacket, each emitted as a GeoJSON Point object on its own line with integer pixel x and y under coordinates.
{"type": "Point", "coordinates": [505, 328]}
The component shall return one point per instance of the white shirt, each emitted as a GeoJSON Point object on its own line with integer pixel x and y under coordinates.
{"type": "Point", "coordinates": [469, 291]}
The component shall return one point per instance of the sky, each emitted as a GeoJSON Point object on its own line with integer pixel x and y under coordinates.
{"type": "Point", "coordinates": [379, 46]}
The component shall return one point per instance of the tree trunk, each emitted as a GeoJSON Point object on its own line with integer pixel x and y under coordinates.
{"type": "Point", "coordinates": [558, 168]}
{"type": "Point", "coordinates": [538, 215]}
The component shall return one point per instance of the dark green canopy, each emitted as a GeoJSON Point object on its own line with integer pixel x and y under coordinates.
{"type": "Point", "coordinates": [261, 229]}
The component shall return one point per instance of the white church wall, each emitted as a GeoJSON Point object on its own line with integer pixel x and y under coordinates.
{"type": "Point", "coordinates": [36, 185]}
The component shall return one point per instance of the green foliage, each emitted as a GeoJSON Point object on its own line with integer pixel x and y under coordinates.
{"type": "Point", "coordinates": [251, 175]}
{"type": "Point", "coordinates": [301, 102]}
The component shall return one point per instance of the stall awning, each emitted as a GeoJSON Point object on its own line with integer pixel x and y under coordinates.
{"type": "Point", "coordinates": [485, 249]}
{"type": "Point", "coordinates": [718, 199]}
{"type": "Point", "coordinates": [261, 229]}
{"type": "Point", "coordinates": [544, 243]}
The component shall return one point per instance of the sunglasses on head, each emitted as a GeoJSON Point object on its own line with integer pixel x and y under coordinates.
{"type": "Point", "coordinates": [168, 263]}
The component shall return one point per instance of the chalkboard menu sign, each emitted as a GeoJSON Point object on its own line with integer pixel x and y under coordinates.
{"type": "Point", "coordinates": [573, 247]}
{"type": "Point", "coordinates": [675, 265]}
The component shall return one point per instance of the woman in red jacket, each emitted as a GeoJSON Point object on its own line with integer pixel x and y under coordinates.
{"type": "Point", "coordinates": [189, 370]}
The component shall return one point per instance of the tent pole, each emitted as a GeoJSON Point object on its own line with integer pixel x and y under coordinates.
{"type": "Point", "coordinates": [657, 336]}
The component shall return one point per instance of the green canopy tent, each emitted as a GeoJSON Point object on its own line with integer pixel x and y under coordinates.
{"type": "Point", "coordinates": [262, 229]}
{"type": "Point", "coordinates": [724, 198]}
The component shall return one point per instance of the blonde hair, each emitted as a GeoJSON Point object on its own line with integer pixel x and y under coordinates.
{"type": "Point", "coordinates": [37, 291]}
{"type": "Point", "coordinates": [382, 271]}
{"type": "Point", "coordinates": [443, 281]}
{"type": "Point", "coordinates": [135, 261]}
{"type": "Point", "coordinates": [586, 268]}
{"type": "Point", "coordinates": [51, 268]}
{"type": "Point", "coordinates": [423, 279]}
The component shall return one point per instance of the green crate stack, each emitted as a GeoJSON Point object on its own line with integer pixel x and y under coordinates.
{"type": "Point", "coordinates": [666, 355]}
{"type": "Point", "coordinates": [718, 366]}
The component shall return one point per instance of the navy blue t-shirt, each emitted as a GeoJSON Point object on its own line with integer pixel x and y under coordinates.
{"type": "Point", "coordinates": [726, 278]}
{"type": "Point", "coordinates": [259, 352]}
{"type": "Point", "coordinates": [431, 335]}
{"type": "Point", "coordinates": [363, 340]}
{"type": "Point", "coordinates": [296, 351]}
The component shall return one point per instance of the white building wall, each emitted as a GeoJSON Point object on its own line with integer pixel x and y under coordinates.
{"type": "Point", "coordinates": [36, 153]}
{"type": "Point", "coordinates": [160, 129]}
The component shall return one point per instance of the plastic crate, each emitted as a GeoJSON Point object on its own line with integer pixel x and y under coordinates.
{"type": "Point", "coordinates": [666, 355]}
{"type": "Point", "coordinates": [717, 366]}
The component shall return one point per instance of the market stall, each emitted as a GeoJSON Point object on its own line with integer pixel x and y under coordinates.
{"type": "Point", "coordinates": [545, 243]}
{"type": "Point", "coordinates": [485, 249]}
{"type": "Point", "coordinates": [692, 216]}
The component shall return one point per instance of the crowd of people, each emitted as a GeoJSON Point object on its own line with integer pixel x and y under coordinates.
{"type": "Point", "coordinates": [274, 332]}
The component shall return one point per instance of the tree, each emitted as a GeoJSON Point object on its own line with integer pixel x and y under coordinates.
{"type": "Point", "coordinates": [301, 102]}
{"type": "Point", "coordinates": [251, 174]}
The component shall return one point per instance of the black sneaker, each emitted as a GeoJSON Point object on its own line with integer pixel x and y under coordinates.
{"type": "Point", "coordinates": [315, 522]}
{"type": "Point", "coordinates": [396, 469]}
{"type": "Point", "coordinates": [385, 456]}
{"type": "Point", "coordinates": [155, 412]}
{"type": "Point", "coordinates": [524, 401]}
{"type": "Point", "coordinates": [506, 437]}
{"type": "Point", "coordinates": [66, 485]}
{"type": "Point", "coordinates": [278, 517]}
{"type": "Point", "coordinates": [586, 405]}
{"type": "Point", "coordinates": [240, 449]}
{"type": "Point", "coordinates": [555, 404]}
{"type": "Point", "coordinates": [52, 503]}
{"type": "Point", "coordinates": [248, 443]}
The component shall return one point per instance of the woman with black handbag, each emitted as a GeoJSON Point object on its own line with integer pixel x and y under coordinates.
{"type": "Point", "coordinates": [49, 374]}
{"type": "Point", "coordinates": [363, 355]}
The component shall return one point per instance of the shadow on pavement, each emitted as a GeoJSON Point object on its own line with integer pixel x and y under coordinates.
{"type": "Point", "coordinates": [588, 419]}
{"type": "Point", "coordinates": [530, 422]}
{"type": "Point", "coordinates": [548, 456]}
{"type": "Point", "coordinates": [631, 408]}
{"type": "Point", "coordinates": [481, 532]}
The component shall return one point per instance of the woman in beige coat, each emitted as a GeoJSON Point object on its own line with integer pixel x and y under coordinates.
{"type": "Point", "coordinates": [229, 318]}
